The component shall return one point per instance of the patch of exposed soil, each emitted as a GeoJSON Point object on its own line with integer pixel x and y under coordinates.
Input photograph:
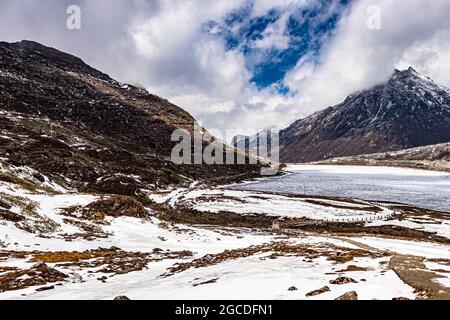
{"type": "Point", "coordinates": [8, 255]}
{"type": "Point", "coordinates": [353, 268]}
{"type": "Point", "coordinates": [352, 229]}
{"type": "Point", "coordinates": [226, 219]}
{"type": "Point", "coordinates": [113, 260]}
{"type": "Point", "coordinates": [36, 276]}
{"type": "Point", "coordinates": [412, 271]}
{"type": "Point", "coordinates": [419, 212]}
{"type": "Point", "coordinates": [7, 269]}
{"type": "Point", "coordinates": [332, 205]}
{"type": "Point", "coordinates": [115, 206]}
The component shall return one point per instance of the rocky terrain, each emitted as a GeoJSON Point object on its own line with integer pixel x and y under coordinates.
{"type": "Point", "coordinates": [409, 110]}
{"type": "Point", "coordinates": [434, 157]}
{"type": "Point", "coordinates": [79, 127]}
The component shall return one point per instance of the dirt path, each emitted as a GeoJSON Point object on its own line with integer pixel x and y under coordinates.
{"type": "Point", "coordinates": [412, 271]}
{"type": "Point", "coordinates": [360, 245]}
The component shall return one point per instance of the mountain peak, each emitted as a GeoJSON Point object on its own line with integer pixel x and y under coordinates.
{"type": "Point", "coordinates": [412, 70]}
{"type": "Point", "coordinates": [406, 73]}
{"type": "Point", "coordinates": [35, 53]}
{"type": "Point", "coordinates": [410, 110]}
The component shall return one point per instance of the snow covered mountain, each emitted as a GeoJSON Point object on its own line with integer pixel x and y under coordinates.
{"type": "Point", "coordinates": [268, 137]}
{"type": "Point", "coordinates": [407, 111]}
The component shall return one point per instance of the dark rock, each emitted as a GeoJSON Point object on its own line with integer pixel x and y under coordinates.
{"type": "Point", "coordinates": [292, 289]}
{"type": "Point", "coordinates": [4, 205]}
{"type": "Point", "coordinates": [343, 280]}
{"type": "Point", "coordinates": [40, 265]}
{"type": "Point", "coordinates": [121, 298]}
{"type": "Point", "coordinates": [45, 288]}
{"type": "Point", "coordinates": [352, 295]}
{"type": "Point", "coordinates": [400, 299]}
{"type": "Point", "coordinates": [76, 278]}
{"type": "Point", "coordinates": [318, 291]}
{"type": "Point", "coordinates": [10, 216]}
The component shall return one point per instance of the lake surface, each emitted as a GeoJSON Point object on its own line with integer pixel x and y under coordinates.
{"type": "Point", "coordinates": [425, 189]}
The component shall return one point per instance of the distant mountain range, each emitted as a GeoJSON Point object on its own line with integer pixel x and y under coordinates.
{"type": "Point", "coordinates": [407, 111]}
{"type": "Point", "coordinates": [76, 125]}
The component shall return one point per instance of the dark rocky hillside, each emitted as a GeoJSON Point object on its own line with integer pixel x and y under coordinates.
{"type": "Point", "coordinates": [87, 131]}
{"type": "Point", "coordinates": [409, 110]}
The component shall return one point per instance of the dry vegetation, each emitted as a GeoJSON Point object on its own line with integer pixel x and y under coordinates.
{"type": "Point", "coordinates": [277, 249]}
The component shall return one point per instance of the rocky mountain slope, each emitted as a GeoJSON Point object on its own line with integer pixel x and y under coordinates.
{"type": "Point", "coordinates": [67, 121]}
{"type": "Point", "coordinates": [409, 110]}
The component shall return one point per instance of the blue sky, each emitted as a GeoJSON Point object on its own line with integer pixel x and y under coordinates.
{"type": "Point", "coordinates": [306, 30]}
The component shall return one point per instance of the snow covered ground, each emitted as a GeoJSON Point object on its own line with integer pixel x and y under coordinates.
{"type": "Point", "coordinates": [245, 202]}
{"type": "Point", "coordinates": [254, 277]}
{"type": "Point", "coordinates": [224, 262]}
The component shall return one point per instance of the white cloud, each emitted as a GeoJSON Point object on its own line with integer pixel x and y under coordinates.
{"type": "Point", "coordinates": [413, 32]}
{"type": "Point", "coordinates": [274, 36]}
{"type": "Point", "coordinates": [160, 44]}
{"type": "Point", "coordinates": [263, 6]}
{"type": "Point", "coordinates": [431, 57]}
{"type": "Point", "coordinates": [194, 70]}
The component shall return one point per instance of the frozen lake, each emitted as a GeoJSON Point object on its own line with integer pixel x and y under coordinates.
{"type": "Point", "coordinates": [426, 189]}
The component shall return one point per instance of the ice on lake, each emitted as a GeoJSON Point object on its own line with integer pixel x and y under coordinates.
{"type": "Point", "coordinates": [421, 188]}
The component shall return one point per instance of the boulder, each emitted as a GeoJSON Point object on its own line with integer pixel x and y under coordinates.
{"type": "Point", "coordinates": [115, 206]}
{"type": "Point", "coordinates": [352, 295]}
{"type": "Point", "coordinates": [400, 299]}
{"type": "Point", "coordinates": [318, 291]}
{"type": "Point", "coordinates": [343, 280]}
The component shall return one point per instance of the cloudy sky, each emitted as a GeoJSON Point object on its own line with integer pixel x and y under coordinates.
{"type": "Point", "coordinates": [244, 65]}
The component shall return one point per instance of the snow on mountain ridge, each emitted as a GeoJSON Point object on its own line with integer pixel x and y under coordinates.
{"type": "Point", "coordinates": [409, 110]}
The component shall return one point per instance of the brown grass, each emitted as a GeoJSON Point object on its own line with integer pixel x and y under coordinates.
{"type": "Point", "coordinates": [42, 275]}
{"type": "Point", "coordinates": [58, 257]}
{"type": "Point", "coordinates": [353, 268]}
